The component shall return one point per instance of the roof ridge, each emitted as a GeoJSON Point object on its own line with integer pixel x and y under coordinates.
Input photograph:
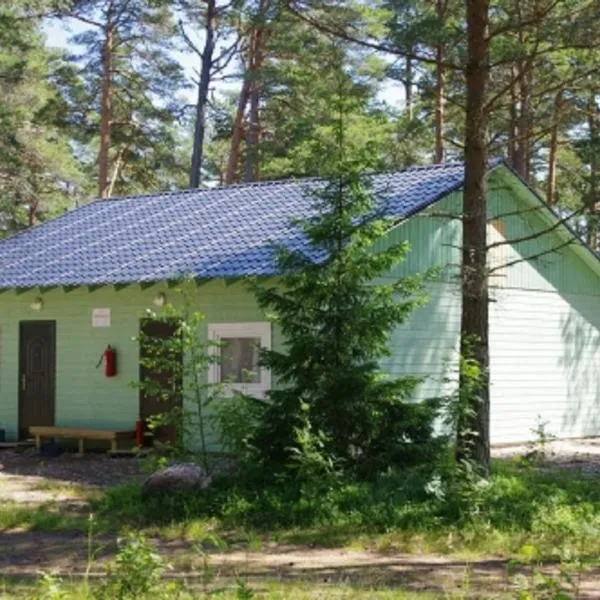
{"type": "Point", "coordinates": [269, 183]}
{"type": "Point", "coordinates": [445, 165]}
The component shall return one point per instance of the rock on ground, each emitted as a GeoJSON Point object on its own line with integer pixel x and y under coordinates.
{"type": "Point", "coordinates": [185, 477]}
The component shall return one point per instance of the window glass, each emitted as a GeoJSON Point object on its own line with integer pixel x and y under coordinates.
{"type": "Point", "coordinates": [239, 360]}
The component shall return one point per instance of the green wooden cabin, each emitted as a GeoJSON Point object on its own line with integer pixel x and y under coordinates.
{"type": "Point", "coordinates": [74, 285]}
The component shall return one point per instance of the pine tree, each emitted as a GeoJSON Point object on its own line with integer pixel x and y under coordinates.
{"type": "Point", "coordinates": [128, 79]}
{"type": "Point", "coordinates": [299, 86]}
{"type": "Point", "coordinates": [38, 173]}
{"type": "Point", "coordinates": [217, 22]}
{"type": "Point", "coordinates": [336, 319]}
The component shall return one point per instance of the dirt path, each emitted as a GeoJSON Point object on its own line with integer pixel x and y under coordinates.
{"type": "Point", "coordinates": [31, 553]}
{"type": "Point", "coordinates": [29, 480]}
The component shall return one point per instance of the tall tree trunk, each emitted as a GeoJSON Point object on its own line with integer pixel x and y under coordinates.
{"type": "Point", "coordinates": [256, 63]}
{"type": "Point", "coordinates": [519, 93]}
{"type": "Point", "coordinates": [522, 154]}
{"type": "Point", "coordinates": [512, 125]}
{"type": "Point", "coordinates": [408, 87]}
{"type": "Point", "coordinates": [553, 150]}
{"type": "Point", "coordinates": [105, 110]}
{"type": "Point", "coordinates": [473, 442]}
{"type": "Point", "coordinates": [528, 122]}
{"type": "Point", "coordinates": [440, 81]}
{"type": "Point", "coordinates": [238, 132]}
{"type": "Point", "coordinates": [594, 200]}
{"type": "Point", "coordinates": [440, 85]}
{"type": "Point", "coordinates": [203, 87]}
{"type": "Point", "coordinates": [253, 135]}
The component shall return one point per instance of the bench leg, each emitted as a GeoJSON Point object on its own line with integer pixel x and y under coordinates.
{"type": "Point", "coordinates": [81, 447]}
{"type": "Point", "coordinates": [38, 443]}
{"type": "Point", "coordinates": [113, 445]}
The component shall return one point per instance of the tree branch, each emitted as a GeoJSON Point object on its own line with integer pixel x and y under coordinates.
{"type": "Point", "coordinates": [516, 213]}
{"type": "Point", "coordinates": [533, 256]}
{"type": "Point", "coordinates": [519, 25]}
{"type": "Point", "coordinates": [188, 40]}
{"type": "Point", "coordinates": [341, 34]}
{"type": "Point", "coordinates": [538, 234]}
{"type": "Point", "coordinates": [80, 17]}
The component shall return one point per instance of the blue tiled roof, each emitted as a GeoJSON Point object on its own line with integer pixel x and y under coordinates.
{"type": "Point", "coordinates": [212, 233]}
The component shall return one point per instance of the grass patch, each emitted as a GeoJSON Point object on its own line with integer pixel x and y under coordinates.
{"type": "Point", "coordinates": [265, 590]}
{"type": "Point", "coordinates": [77, 491]}
{"type": "Point", "coordinates": [522, 504]}
{"type": "Point", "coordinates": [47, 517]}
{"type": "Point", "coordinates": [548, 508]}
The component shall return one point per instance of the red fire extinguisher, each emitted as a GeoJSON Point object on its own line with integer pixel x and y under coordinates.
{"type": "Point", "coordinates": [109, 358]}
{"type": "Point", "coordinates": [139, 432]}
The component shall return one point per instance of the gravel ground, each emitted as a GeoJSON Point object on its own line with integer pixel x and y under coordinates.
{"type": "Point", "coordinates": [29, 478]}
{"type": "Point", "coordinates": [24, 474]}
{"type": "Point", "coordinates": [581, 454]}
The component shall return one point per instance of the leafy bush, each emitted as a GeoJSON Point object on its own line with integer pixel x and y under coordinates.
{"type": "Point", "coordinates": [518, 503]}
{"type": "Point", "coordinates": [136, 571]}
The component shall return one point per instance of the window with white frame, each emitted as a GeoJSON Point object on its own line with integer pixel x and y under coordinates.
{"type": "Point", "coordinates": [238, 346]}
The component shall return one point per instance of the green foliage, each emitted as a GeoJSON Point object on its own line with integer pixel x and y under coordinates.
{"type": "Point", "coordinates": [50, 587]}
{"type": "Point", "coordinates": [148, 148]}
{"type": "Point", "coordinates": [533, 580]}
{"type": "Point", "coordinates": [136, 571]}
{"type": "Point", "coordinates": [335, 310]}
{"type": "Point", "coordinates": [38, 173]}
{"type": "Point", "coordinates": [554, 510]}
{"type": "Point", "coordinates": [538, 448]}
{"type": "Point", "coordinates": [174, 372]}
{"type": "Point", "coordinates": [235, 419]}
{"type": "Point", "coordinates": [300, 81]}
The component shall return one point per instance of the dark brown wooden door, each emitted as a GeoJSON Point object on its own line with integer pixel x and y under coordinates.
{"type": "Point", "coordinates": [154, 333]}
{"type": "Point", "coordinates": [37, 374]}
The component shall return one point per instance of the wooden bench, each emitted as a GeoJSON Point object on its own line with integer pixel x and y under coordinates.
{"type": "Point", "coordinates": [81, 435]}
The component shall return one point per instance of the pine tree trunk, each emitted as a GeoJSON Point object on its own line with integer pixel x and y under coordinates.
{"type": "Point", "coordinates": [440, 76]}
{"type": "Point", "coordinates": [594, 201]}
{"type": "Point", "coordinates": [523, 125]}
{"type": "Point", "coordinates": [253, 136]}
{"type": "Point", "coordinates": [440, 88]}
{"type": "Point", "coordinates": [256, 62]}
{"type": "Point", "coordinates": [528, 123]}
{"type": "Point", "coordinates": [473, 442]}
{"type": "Point", "coordinates": [105, 111]}
{"type": "Point", "coordinates": [408, 87]}
{"type": "Point", "coordinates": [238, 132]}
{"type": "Point", "coordinates": [512, 125]}
{"type": "Point", "coordinates": [203, 87]}
{"type": "Point", "coordinates": [553, 150]}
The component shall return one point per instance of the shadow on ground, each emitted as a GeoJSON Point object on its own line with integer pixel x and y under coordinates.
{"type": "Point", "coordinates": [23, 555]}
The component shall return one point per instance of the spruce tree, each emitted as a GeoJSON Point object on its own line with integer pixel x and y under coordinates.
{"type": "Point", "coordinates": [336, 307]}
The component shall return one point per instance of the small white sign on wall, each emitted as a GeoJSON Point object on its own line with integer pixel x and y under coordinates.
{"type": "Point", "coordinates": [101, 317]}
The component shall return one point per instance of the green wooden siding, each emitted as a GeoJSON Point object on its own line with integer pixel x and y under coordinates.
{"type": "Point", "coordinates": [544, 319]}
{"type": "Point", "coordinates": [426, 345]}
{"type": "Point", "coordinates": [544, 354]}
{"type": "Point", "coordinates": [544, 327]}
{"type": "Point", "coordinates": [84, 397]}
